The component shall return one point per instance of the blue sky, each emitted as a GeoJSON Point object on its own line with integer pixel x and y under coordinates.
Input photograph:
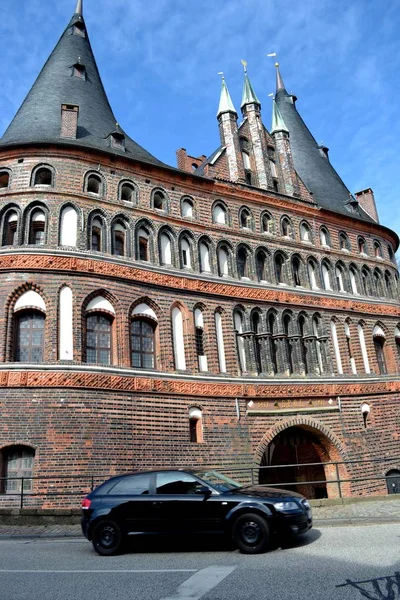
{"type": "Point", "coordinates": [159, 61]}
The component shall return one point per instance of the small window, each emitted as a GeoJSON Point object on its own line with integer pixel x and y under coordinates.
{"type": "Point", "coordinates": [243, 263]}
{"type": "Point", "coordinates": [37, 228]}
{"type": "Point", "coordinates": [390, 252]}
{"type": "Point", "coordinates": [362, 246]}
{"type": "Point", "coordinates": [223, 261]}
{"type": "Point", "coordinates": [98, 339]}
{"type": "Point", "coordinates": [118, 240]}
{"type": "Point", "coordinates": [4, 179]}
{"type": "Point", "coordinates": [159, 201]}
{"type": "Point", "coordinates": [96, 235]}
{"type": "Point", "coordinates": [43, 176]}
{"type": "Point", "coordinates": [127, 192]}
{"type": "Point", "coordinates": [344, 242]}
{"type": "Point", "coordinates": [305, 232]}
{"type": "Point", "coordinates": [377, 250]}
{"type": "Point", "coordinates": [205, 265]}
{"type": "Point", "coordinates": [29, 338]}
{"type": "Point", "coordinates": [324, 237]}
{"type": "Point", "coordinates": [220, 215]}
{"type": "Point", "coordinates": [143, 244]}
{"type": "Point", "coordinates": [136, 485]}
{"type": "Point", "coordinates": [185, 254]}
{"type": "Point", "coordinates": [142, 344]}
{"type": "Point", "coordinates": [279, 266]}
{"type": "Point", "coordinates": [379, 343]}
{"type": "Point", "coordinates": [267, 223]}
{"type": "Point", "coordinates": [286, 228]}
{"type": "Point", "coordinates": [94, 184]}
{"type": "Point", "coordinates": [245, 219]}
{"type": "Point", "coordinates": [79, 71]}
{"type": "Point", "coordinates": [296, 265]}
{"type": "Point", "coordinates": [187, 208]}
{"type": "Point", "coordinates": [18, 468]}
{"type": "Point", "coordinates": [262, 265]}
{"type": "Point", "coordinates": [10, 229]}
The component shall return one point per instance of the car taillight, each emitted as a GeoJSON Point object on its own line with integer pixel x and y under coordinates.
{"type": "Point", "coordinates": [86, 503]}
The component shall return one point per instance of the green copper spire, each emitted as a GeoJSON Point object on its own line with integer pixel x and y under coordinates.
{"type": "Point", "coordinates": [278, 124]}
{"type": "Point", "coordinates": [279, 81]}
{"type": "Point", "coordinates": [225, 101]}
{"type": "Point", "coordinates": [249, 96]}
{"type": "Point", "coordinates": [78, 9]}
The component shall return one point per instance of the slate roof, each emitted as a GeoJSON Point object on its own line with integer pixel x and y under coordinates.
{"type": "Point", "coordinates": [39, 118]}
{"type": "Point", "coordinates": [315, 170]}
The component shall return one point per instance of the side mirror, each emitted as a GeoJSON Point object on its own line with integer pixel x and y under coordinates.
{"type": "Point", "coordinates": [205, 491]}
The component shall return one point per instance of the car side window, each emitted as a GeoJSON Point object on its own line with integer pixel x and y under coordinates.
{"type": "Point", "coordinates": [137, 485]}
{"type": "Point", "coordinates": [177, 483]}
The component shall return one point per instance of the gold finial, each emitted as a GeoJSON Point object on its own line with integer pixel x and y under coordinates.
{"type": "Point", "coordinates": [244, 63]}
{"type": "Point", "coordinates": [222, 74]}
{"type": "Point", "coordinates": [277, 64]}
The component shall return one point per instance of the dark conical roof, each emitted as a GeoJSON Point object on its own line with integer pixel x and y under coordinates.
{"type": "Point", "coordinates": [39, 118]}
{"type": "Point", "coordinates": [313, 167]}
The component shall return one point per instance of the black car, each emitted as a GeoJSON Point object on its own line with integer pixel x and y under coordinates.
{"type": "Point", "coordinates": [190, 501]}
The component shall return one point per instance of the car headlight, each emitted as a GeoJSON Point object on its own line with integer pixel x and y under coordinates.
{"type": "Point", "coordinates": [284, 506]}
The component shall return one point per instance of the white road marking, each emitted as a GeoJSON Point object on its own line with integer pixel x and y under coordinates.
{"type": "Point", "coordinates": [199, 584]}
{"type": "Point", "coordinates": [99, 571]}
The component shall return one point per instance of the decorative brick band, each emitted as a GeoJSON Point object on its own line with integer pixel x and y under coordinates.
{"type": "Point", "coordinates": [35, 262]}
{"type": "Point", "coordinates": [148, 385]}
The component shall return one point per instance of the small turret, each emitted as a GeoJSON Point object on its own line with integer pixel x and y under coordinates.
{"type": "Point", "coordinates": [228, 131]}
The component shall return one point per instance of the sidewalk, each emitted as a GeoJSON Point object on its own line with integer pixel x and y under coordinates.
{"type": "Point", "coordinates": [351, 511]}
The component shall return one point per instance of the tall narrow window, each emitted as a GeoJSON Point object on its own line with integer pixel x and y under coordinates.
{"type": "Point", "coordinates": [142, 344]}
{"type": "Point", "coordinates": [344, 242]}
{"type": "Point", "coordinates": [296, 264]}
{"type": "Point", "coordinates": [312, 275]}
{"type": "Point", "coordinates": [316, 326]}
{"type": "Point", "coordinates": [66, 326]}
{"type": "Point", "coordinates": [279, 266]}
{"type": "Point", "coordinates": [159, 200]}
{"type": "Point", "coordinates": [18, 469]}
{"type": "Point", "coordinates": [324, 237]}
{"type": "Point", "coordinates": [286, 227]}
{"type": "Point", "coordinates": [98, 339]}
{"type": "Point", "coordinates": [143, 244]}
{"type": "Point", "coordinates": [185, 254]}
{"type": "Point", "coordinates": [96, 235]}
{"type": "Point", "coordinates": [165, 249]}
{"type": "Point", "coordinates": [37, 228]}
{"type": "Point", "coordinates": [242, 263]}
{"type": "Point", "coordinates": [366, 281]}
{"type": "Point", "coordinates": [336, 347]}
{"type": "Point", "coordinates": [205, 257]}
{"type": "Point", "coordinates": [362, 246]}
{"type": "Point", "coordinates": [379, 344]}
{"type": "Point", "coordinates": [118, 240]}
{"type": "Point", "coordinates": [349, 349]}
{"type": "Point", "coordinates": [199, 339]}
{"type": "Point", "coordinates": [353, 280]}
{"type": "Point", "coordinates": [389, 285]}
{"type": "Point", "coordinates": [363, 347]}
{"type": "Point", "coordinates": [245, 219]}
{"type": "Point", "coordinates": [326, 276]}
{"type": "Point", "coordinates": [187, 208]}
{"type": "Point", "coordinates": [219, 214]}
{"type": "Point", "coordinates": [10, 229]}
{"type": "Point", "coordinates": [223, 261]}
{"type": "Point", "coordinates": [68, 226]}
{"type": "Point", "coordinates": [272, 342]}
{"type": "Point", "coordinates": [220, 342]}
{"type": "Point", "coordinates": [127, 191]}
{"type": "Point", "coordinates": [289, 349]}
{"type": "Point", "coordinates": [255, 323]}
{"type": "Point", "coordinates": [195, 425]}
{"type": "Point", "coordinates": [303, 346]}
{"type": "Point", "coordinates": [267, 223]}
{"type": "Point", "coordinates": [305, 232]}
{"type": "Point", "coordinates": [262, 266]}
{"type": "Point", "coordinates": [29, 343]}
{"type": "Point", "coordinates": [339, 279]}
{"type": "Point", "coordinates": [178, 339]}
{"type": "Point", "coordinates": [397, 342]}
{"type": "Point", "coordinates": [238, 320]}
{"type": "Point", "coordinates": [377, 250]}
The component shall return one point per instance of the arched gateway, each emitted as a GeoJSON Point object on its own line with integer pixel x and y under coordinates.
{"type": "Point", "coordinates": [302, 441]}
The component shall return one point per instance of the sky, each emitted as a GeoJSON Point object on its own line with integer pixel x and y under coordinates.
{"type": "Point", "coordinates": [159, 61]}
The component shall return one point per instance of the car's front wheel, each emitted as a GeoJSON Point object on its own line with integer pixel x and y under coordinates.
{"type": "Point", "coordinates": [251, 533]}
{"type": "Point", "coordinates": [107, 538]}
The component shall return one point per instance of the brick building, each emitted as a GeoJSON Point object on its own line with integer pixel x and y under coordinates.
{"type": "Point", "coordinates": [240, 310]}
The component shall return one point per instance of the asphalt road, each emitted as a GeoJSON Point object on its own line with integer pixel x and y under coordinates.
{"type": "Point", "coordinates": [351, 562]}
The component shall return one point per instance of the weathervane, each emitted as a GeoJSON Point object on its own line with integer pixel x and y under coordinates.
{"type": "Point", "coordinates": [244, 63]}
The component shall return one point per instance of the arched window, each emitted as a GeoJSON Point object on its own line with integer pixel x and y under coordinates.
{"type": "Point", "coordinates": [159, 200]}
{"type": "Point", "coordinates": [303, 346]}
{"type": "Point", "coordinates": [223, 261]}
{"type": "Point", "coordinates": [366, 281]}
{"type": "Point", "coordinates": [165, 249]}
{"type": "Point", "coordinates": [397, 342]}
{"type": "Point", "coordinates": [296, 270]}
{"type": "Point", "coordinates": [344, 242]}
{"type": "Point", "coordinates": [243, 263]}
{"type": "Point", "coordinates": [390, 252]}
{"type": "Point", "coordinates": [326, 275]}
{"type": "Point", "coordinates": [29, 337]}
{"type": "Point", "coordinates": [377, 249]}
{"type": "Point", "coordinates": [336, 347]}
{"type": "Point", "coordinates": [353, 279]}
{"type": "Point", "coordinates": [279, 262]}
{"type": "Point", "coordinates": [220, 342]}
{"type": "Point", "coordinates": [288, 346]}
{"type": "Point", "coordinates": [275, 183]}
{"type": "Point", "coordinates": [379, 345]}
{"type": "Point", "coordinates": [187, 208]}
{"type": "Point", "coordinates": [199, 339]}
{"type": "Point", "coordinates": [286, 227]}
{"type": "Point", "coordinates": [349, 348]}
{"type": "Point", "coordinates": [312, 274]}
{"type": "Point", "coordinates": [43, 176]}
{"type": "Point", "coordinates": [239, 328]}
{"type": "Point", "coordinates": [94, 184]}
{"type": "Point", "coordinates": [178, 339]}
{"type": "Point", "coordinates": [143, 237]}
{"type": "Point", "coordinates": [245, 219]}
{"type": "Point", "coordinates": [316, 333]}
{"type": "Point", "coordinates": [96, 234]}
{"type": "Point", "coordinates": [256, 328]}
{"type": "Point", "coordinates": [186, 258]}
{"type": "Point", "coordinates": [65, 324]}
{"type": "Point", "coordinates": [127, 192]}
{"type": "Point", "coordinates": [4, 179]}
{"type": "Point", "coordinates": [142, 343]}
{"type": "Point", "coordinates": [220, 215]}
{"type": "Point", "coordinates": [380, 292]}
{"type": "Point", "coordinates": [362, 246]}
{"type": "Point", "coordinates": [339, 278]}
{"type": "Point", "coordinates": [204, 251]}
{"type": "Point", "coordinates": [195, 425]}
{"type": "Point", "coordinates": [272, 326]}
{"type": "Point", "coordinates": [37, 227]}
{"type": "Point", "coordinates": [262, 265]}
{"type": "Point", "coordinates": [98, 339]}
{"type": "Point", "coordinates": [18, 463]}
{"type": "Point", "coordinates": [363, 347]}
{"type": "Point", "coordinates": [324, 237]}
{"type": "Point", "coordinates": [118, 239]}
{"type": "Point", "coordinates": [267, 223]}
{"type": "Point", "coordinates": [389, 285]}
{"type": "Point", "coordinates": [68, 226]}
{"type": "Point", "coordinates": [305, 232]}
{"type": "Point", "coordinates": [10, 229]}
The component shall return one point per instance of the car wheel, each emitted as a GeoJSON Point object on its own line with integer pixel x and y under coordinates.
{"type": "Point", "coordinates": [251, 533]}
{"type": "Point", "coordinates": [107, 538]}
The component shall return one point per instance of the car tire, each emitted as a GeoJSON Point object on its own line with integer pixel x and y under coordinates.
{"type": "Point", "coordinates": [107, 538]}
{"type": "Point", "coordinates": [251, 533]}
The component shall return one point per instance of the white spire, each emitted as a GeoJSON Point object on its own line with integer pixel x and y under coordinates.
{"type": "Point", "coordinates": [78, 9]}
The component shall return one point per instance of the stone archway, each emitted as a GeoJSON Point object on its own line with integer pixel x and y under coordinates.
{"type": "Point", "coordinates": [302, 441]}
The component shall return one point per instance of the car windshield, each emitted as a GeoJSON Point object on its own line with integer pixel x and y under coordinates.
{"type": "Point", "coordinates": [220, 482]}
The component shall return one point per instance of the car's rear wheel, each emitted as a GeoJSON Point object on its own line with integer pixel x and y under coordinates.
{"type": "Point", "coordinates": [107, 538]}
{"type": "Point", "coordinates": [251, 533]}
